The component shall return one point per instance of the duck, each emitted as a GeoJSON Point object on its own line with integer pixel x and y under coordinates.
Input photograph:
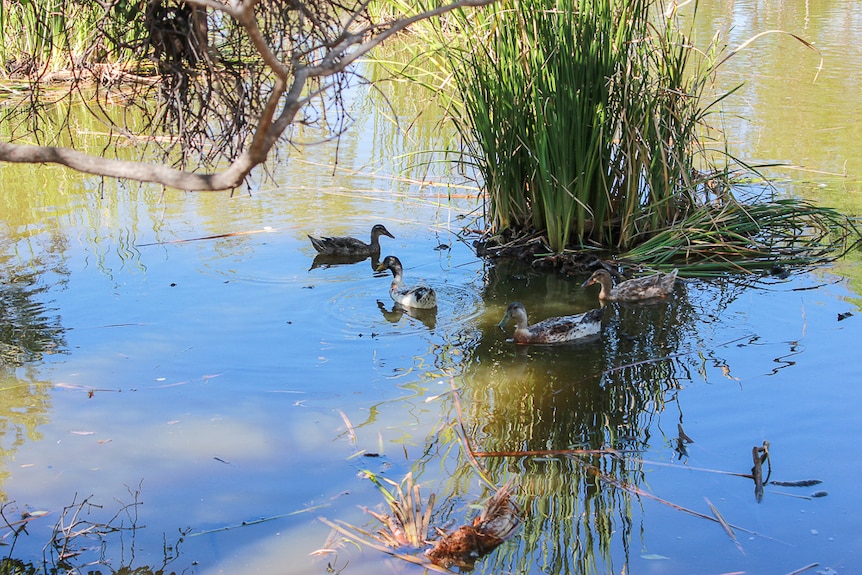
{"type": "Point", "coordinates": [347, 246]}
{"type": "Point", "coordinates": [655, 286]}
{"type": "Point", "coordinates": [552, 330]}
{"type": "Point", "coordinates": [418, 297]}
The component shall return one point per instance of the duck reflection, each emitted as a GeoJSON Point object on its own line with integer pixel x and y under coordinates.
{"type": "Point", "coordinates": [427, 316]}
{"type": "Point", "coordinates": [331, 260]}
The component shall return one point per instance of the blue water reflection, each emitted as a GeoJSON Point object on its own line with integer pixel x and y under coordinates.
{"type": "Point", "coordinates": [230, 383]}
{"type": "Point", "coordinates": [185, 346]}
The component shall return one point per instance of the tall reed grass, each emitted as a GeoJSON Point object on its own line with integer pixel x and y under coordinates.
{"type": "Point", "coordinates": [582, 117]}
{"type": "Point", "coordinates": [588, 120]}
{"type": "Point", "coordinates": [52, 35]}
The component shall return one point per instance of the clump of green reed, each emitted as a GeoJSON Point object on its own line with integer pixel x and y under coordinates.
{"type": "Point", "coordinates": [730, 235]}
{"type": "Point", "coordinates": [587, 120]}
{"type": "Point", "coordinates": [53, 35]}
{"type": "Point", "coordinates": [581, 116]}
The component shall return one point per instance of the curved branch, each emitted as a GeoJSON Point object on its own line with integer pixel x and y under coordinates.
{"type": "Point", "coordinates": [348, 47]}
{"type": "Point", "coordinates": [338, 59]}
{"type": "Point", "coordinates": [230, 178]}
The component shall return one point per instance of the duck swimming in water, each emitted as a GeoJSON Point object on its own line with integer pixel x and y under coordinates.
{"type": "Point", "coordinates": [649, 287]}
{"type": "Point", "coordinates": [419, 297]}
{"type": "Point", "coordinates": [347, 246]}
{"type": "Point", "coordinates": [552, 330]}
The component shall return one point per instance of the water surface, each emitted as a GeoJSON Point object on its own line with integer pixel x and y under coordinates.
{"type": "Point", "coordinates": [180, 350]}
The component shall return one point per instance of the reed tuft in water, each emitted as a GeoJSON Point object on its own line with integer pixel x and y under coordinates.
{"type": "Point", "coordinates": [582, 117]}
{"type": "Point", "coordinates": [410, 519]}
{"type": "Point", "coordinates": [761, 235]}
{"type": "Point", "coordinates": [587, 121]}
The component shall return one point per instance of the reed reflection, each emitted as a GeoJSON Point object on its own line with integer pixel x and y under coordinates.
{"type": "Point", "coordinates": [29, 330]}
{"type": "Point", "coordinates": [28, 327]}
{"type": "Point", "coordinates": [572, 422]}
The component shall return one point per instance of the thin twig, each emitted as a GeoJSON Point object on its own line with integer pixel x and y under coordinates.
{"type": "Point", "coordinates": [258, 521]}
{"type": "Point", "coordinates": [689, 468]}
{"type": "Point", "coordinates": [725, 525]}
{"type": "Point", "coordinates": [806, 568]}
{"type": "Point", "coordinates": [641, 493]}
{"type": "Point", "coordinates": [213, 237]}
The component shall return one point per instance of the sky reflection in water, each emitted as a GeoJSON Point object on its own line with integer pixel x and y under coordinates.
{"type": "Point", "coordinates": [216, 377]}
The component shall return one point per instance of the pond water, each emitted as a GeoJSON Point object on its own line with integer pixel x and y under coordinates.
{"type": "Point", "coordinates": [180, 351]}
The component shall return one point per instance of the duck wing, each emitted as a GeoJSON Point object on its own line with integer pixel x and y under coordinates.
{"type": "Point", "coordinates": [422, 297]}
{"type": "Point", "coordinates": [567, 328]}
{"type": "Point", "coordinates": [340, 245]}
{"type": "Point", "coordinates": [654, 286]}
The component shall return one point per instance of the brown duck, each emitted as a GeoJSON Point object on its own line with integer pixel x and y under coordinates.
{"type": "Point", "coordinates": [347, 246]}
{"type": "Point", "coordinates": [650, 287]}
{"type": "Point", "coordinates": [563, 329]}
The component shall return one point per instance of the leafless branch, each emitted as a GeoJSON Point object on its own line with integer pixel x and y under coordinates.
{"type": "Point", "coordinates": [232, 77]}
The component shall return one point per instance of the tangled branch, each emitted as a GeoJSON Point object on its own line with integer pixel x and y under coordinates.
{"type": "Point", "coordinates": [217, 84]}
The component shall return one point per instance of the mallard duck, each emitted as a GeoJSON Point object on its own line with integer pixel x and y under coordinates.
{"type": "Point", "coordinates": [420, 297]}
{"type": "Point", "coordinates": [554, 329]}
{"type": "Point", "coordinates": [347, 246]}
{"type": "Point", "coordinates": [649, 287]}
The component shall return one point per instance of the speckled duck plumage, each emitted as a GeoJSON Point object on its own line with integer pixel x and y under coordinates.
{"type": "Point", "coordinates": [418, 297]}
{"type": "Point", "coordinates": [552, 330]}
{"type": "Point", "coordinates": [655, 286]}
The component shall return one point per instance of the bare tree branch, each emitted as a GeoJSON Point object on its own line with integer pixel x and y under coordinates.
{"type": "Point", "coordinates": [229, 86]}
{"type": "Point", "coordinates": [230, 178]}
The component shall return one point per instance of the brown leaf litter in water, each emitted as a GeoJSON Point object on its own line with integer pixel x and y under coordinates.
{"type": "Point", "coordinates": [410, 522]}
{"type": "Point", "coordinates": [534, 248]}
{"type": "Point", "coordinates": [500, 519]}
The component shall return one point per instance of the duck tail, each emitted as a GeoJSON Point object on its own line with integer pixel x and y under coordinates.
{"type": "Point", "coordinates": [318, 245]}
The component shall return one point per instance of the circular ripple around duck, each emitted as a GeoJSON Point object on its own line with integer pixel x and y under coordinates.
{"type": "Point", "coordinates": [365, 312]}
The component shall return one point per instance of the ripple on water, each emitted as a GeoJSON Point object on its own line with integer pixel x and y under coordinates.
{"type": "Point", "coordinates": [363, 312]}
